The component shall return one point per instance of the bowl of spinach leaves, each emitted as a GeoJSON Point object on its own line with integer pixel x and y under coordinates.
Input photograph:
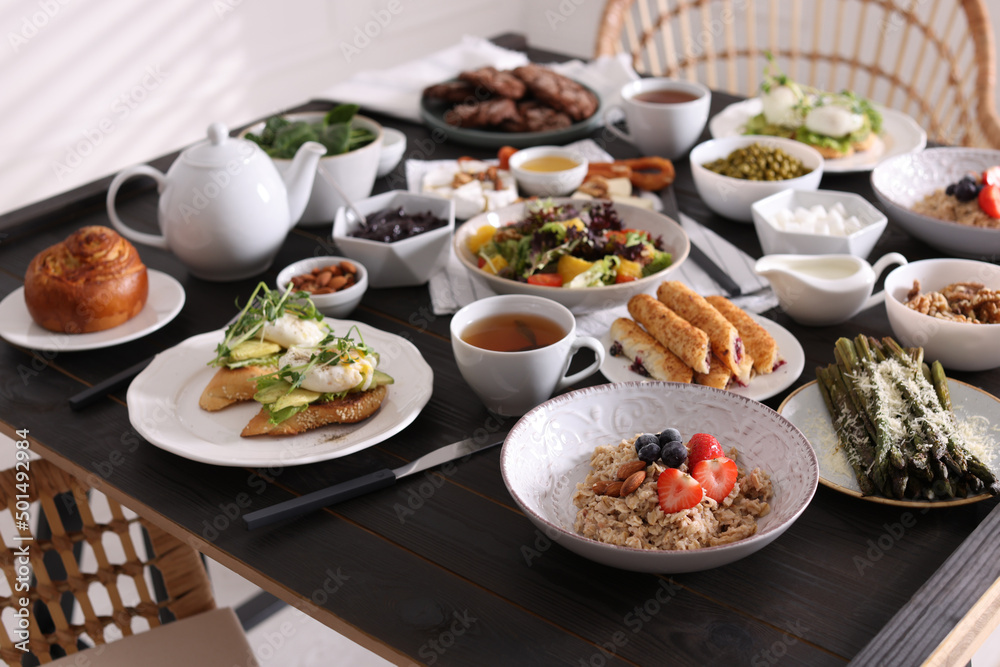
{"type": "Point", "coordinates": [353, 145]}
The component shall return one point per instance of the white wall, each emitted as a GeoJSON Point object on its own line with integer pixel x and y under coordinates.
{"type": "Point", "coordinates": [91, 87]}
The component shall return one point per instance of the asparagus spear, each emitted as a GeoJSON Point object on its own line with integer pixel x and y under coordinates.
{"type": "Point", "coordinates": [850, 431]}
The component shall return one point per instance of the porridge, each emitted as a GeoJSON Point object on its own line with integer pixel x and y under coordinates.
{"type": "Point", "coordinates": [638, 520]}
{"type": "Point", "coordinates": [945, 207]}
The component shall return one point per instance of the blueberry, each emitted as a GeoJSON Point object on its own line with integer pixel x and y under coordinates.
{"type": "Point", "coordinates": [966, 190]}
{"type": "Point", "coordinates": [673, 454]}
{"type": "Point", "coordinates": [669, 435]}
{"type": "Point", "coordinates": [645, 439]}
{"type": "Point", "coordinates": [649, 452]}
{"type": "Point", "coordinates": [950, 190]}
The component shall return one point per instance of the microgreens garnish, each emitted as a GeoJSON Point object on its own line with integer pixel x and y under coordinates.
{"type": "Point", "coordinates": [263, 306]}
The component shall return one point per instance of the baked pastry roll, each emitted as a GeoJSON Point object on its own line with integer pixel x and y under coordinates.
{"type": "Point", "coordinates": [92, 281]}
{"type": "Point", "coordinates": [726, 342]}
{"type": "Point", "coordinates": [758, 342]}
{"type": "Point", "coordinates": [644, 350]}
{"type": "Point", "coordinates": [675, 333]}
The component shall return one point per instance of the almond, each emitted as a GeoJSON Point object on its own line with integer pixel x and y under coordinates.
{"type": "Point", "coordinates": [630, 468]}
{"type": "Point", "coordinates": [633, 482]}
{"type": "Point", "coordinates": [600, 487]}
{"type": "Point", "coordinates": [614, 489]}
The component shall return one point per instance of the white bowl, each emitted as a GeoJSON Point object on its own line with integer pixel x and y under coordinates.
{"type": "Point", "coordinates": [902, 181]}
{"type": "Point", "coordinates": [776, 241]}
{"type": "Point", "coordinates": [586, 299]}
{"type": "Point", "coordinates": [354, 171]}
{"type": "Point", "coordinates": [960, 346]}
{"type": "Point", "coordinates": [731, 197]}
{"type": "Point", "coordinates": [548, 183]}
{"type": "Point", "coordinates": [406, 262]}
{"type": "Point", "coordinates": [393, 145]}
{"type": "Point", "coordinates": [547, 454]}
{"type": "Point", "coordinates": [338, 304]}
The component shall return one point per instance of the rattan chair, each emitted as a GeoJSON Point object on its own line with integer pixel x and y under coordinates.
{"type": "Point", "coordinates": [187, 587]}
{"type": "Point", "coordinates": [932, 59]}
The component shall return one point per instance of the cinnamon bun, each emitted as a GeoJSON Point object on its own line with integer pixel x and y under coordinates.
{"type": "Point", "coordinates": [92, 281]}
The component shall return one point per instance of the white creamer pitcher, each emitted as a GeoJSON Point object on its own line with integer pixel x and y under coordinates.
{"type": "Point", "coordinates": [819, 290]}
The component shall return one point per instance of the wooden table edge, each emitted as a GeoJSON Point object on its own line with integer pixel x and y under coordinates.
{"type": "Point", "coordinates": [293, 599]}
{"type": "Point", "coordinates": [966, 587]}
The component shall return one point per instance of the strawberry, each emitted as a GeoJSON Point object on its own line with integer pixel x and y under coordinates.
{"type": "Point", "coordinates": [717, 477]}
{"type": "Point", "coordinates": [677, 491]}
{"type": "Point", "coordinates": [702, 446]}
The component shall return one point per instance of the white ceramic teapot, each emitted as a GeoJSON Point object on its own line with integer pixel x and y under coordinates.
{"type": "Point", "coordinates": [224, 209]}
{"type": "Point", "coordinates": [819, 290]}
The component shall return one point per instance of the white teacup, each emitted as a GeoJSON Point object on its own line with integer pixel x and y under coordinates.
{"type": "Point", "coordinates": [511, 383]}
{"type": "Point", "coordinates": [665, 128]}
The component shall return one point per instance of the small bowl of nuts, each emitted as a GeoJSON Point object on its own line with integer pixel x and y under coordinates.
{"type": "Point", "coordinates": [335, 284]}
{"type": "Point", "coordinates": [949, 307]}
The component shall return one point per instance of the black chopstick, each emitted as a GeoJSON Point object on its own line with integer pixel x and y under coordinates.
{"type": "Point", "coordinates": [113, 383]}
{"type": "Point", "coordinates": [714, 271]}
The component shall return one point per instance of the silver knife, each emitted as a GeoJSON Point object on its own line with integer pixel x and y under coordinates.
{"type": "Point", "coordinates": [379, 479]}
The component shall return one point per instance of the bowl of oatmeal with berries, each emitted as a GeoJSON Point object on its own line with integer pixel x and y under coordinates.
{"type": "Point", "coordinates": [657, 476]}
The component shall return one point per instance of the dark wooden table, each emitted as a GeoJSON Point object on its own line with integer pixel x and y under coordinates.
{"type": "Point", "coordinates": [443, 568]}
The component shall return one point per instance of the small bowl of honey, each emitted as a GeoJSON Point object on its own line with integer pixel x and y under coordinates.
{"type": "Point", "coordinates": [548, 171]}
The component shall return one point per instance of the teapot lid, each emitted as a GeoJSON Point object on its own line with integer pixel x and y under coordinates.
{"type": "Point", "coordinates": [219, 149]}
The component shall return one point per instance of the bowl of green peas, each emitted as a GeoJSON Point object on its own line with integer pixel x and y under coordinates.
{"type": "Point", "coordinates": [731, 173]}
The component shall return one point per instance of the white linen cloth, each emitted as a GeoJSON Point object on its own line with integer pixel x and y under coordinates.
{"type": "Point", "coordinates": [396, 91]}
{"type": "Point", "coordinates": [455, 286]}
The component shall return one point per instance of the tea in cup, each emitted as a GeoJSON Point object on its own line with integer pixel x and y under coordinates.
{"type": "Point", "coordinates": [514, 350]}
{"type": "Point", "coordinates": [665, 117]}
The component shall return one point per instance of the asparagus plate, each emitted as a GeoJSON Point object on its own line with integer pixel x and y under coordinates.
{"type": "Point", "coordinates": [977, 411]}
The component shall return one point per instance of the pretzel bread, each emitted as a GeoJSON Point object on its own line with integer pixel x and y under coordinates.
{"type": "Point", "coordinates": [645, 351]}
{"type": "Point", "coordinates": [726, 342]}
{"type": "Point", "coordinates": [759, 343]}
{"type": "Point", "coordinates": [673, 332]}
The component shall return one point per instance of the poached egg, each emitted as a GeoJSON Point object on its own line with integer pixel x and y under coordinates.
{"type": "Point", "coordinates": [334, 377]}
{"type": "Point", "coordinates": [291, 331]}
{"type": "Point", "coordinates": [779, 106]}
{"type": "Point", "coordinates": [833, 120]}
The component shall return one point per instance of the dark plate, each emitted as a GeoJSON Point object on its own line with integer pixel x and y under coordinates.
{"type": "Point", "coordinates": [432, 112]}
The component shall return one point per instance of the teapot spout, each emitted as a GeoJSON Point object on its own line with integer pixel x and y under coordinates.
{"type": "Point", "coordinates": [299, 178]}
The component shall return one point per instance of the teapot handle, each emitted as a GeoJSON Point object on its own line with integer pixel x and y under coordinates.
{"type": "Point", "coordinates": [155, 240]}
{"type": "Point", "coordinates": [881, 265]}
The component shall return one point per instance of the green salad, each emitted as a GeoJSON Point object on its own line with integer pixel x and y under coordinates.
{"type": "Point", "coordinates": [561, 245]}
{"type": "Point", "coordinates": [281, 137]}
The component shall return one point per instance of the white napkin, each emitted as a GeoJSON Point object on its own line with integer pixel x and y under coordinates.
{"type": "Point", "coordinates": [396, 91]}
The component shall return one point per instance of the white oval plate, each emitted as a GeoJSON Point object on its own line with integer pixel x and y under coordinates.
{"type": "Point", "coordinates": [762, 387]}
{"type": "Point", "coordinates": [805, 408]}
{"type": "Point", "coordinates": [165, 300]}
{"type": "Point", "coordinates": [163, 407]}
{"type": "Point", "coordinates": [900, 134]}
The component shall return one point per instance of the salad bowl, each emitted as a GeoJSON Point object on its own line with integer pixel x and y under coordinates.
{"type": "Point", "coordinates": [578, 299]}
